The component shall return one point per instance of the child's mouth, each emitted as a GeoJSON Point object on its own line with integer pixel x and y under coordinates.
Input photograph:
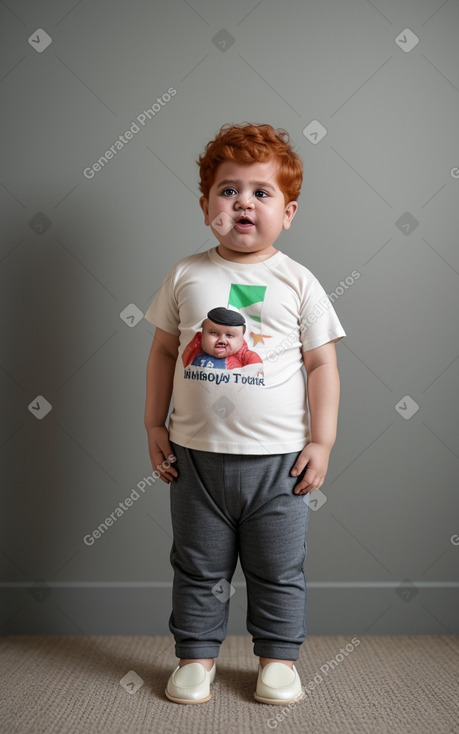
{"type": "Point", "coordinates": [244, 224]}
{"type": "Point", "coordinates": [240, 227]}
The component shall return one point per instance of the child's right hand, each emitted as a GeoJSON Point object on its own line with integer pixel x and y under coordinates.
{"type": "Point", "coordinates": [161, 454]}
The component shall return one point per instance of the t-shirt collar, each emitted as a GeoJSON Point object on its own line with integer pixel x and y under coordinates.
{"type": "Point", "coordinates": [268, 262]}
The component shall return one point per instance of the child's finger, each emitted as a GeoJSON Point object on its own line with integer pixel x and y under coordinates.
{"type": "Point", "coordinates": [165, 476]}
{"type": "Point", "coordinates": [302, 486]}
{"type": "Point", "coordinates": [309, 483]}
{"type": "Point", "coordinates": [299, 465]}
{"type": "Point", "coordinates": [309, 476]}
{"type": "Point", "coordinates": [169, 463]}
{"type": "Point", "coordinates": [166, 469]}
{"type": "Point", "coordinates": [168, 454]}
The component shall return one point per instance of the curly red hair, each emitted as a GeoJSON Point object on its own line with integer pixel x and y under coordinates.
{"type": "Point", "coordinates": [249, 143]}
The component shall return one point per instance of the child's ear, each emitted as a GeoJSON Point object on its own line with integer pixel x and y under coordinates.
{"type": "Point", "coordinates": [204, 204]}
{"type": "Point", "coordinates": [289, 213]}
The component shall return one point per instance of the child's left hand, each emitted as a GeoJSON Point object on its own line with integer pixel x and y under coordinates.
{"type": "Point", "coordinates": [316, 457]}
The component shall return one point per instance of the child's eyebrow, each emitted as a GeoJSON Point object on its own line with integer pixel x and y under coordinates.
{"type": "Point", "coordinates": [263, 184]}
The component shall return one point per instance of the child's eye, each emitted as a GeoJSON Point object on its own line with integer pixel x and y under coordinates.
{"type": "Point", "coordinates": [260, 193]}
{"type": "Point", "coordinates": [228, 191]}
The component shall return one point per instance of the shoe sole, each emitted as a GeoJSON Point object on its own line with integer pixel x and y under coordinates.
{"type": "Point", "coordinates": [279, 701]}
{"type": "Point", "coordinates": [187, 700]}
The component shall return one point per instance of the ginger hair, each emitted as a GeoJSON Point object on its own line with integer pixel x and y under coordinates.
{"type": "Point", "coordinates": [249, 143]}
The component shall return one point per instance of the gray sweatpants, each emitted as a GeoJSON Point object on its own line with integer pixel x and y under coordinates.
{"type": "Point", "coordinates": [222, 505]}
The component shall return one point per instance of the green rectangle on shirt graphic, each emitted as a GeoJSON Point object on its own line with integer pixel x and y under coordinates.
{"type": "Point", "coordinates": [242, 296]}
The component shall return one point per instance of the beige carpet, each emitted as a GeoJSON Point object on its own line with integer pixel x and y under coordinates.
{"type": "Point", "coordinates": [384, 684]}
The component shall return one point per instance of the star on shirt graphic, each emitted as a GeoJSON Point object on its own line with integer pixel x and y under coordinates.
{"type": "Point", "coordinates": [258, 338]}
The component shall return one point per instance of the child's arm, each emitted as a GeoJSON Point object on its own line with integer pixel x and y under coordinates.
{"type": "Point", "coordinates": [160, 378]}
{"type": "Point", "coordinates": [323, 396]}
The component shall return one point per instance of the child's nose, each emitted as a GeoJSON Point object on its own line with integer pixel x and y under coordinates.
{"type": "Point", "coordinates": [245, 202]}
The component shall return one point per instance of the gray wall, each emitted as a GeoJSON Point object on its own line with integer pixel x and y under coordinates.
{"type": "Point", "coordinates": [380, 197]}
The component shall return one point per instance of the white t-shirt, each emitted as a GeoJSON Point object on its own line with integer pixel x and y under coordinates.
{"type": "Point", "coordinates": [254, 402]}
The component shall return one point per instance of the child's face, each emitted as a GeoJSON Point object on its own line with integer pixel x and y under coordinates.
{"type": "Point", "coordinates": [219, 340]}
{"type": "Point", "coordinates": [251, 190]}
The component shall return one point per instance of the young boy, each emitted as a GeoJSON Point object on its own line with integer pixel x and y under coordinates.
{"type": "Point", "coordinates": [247, 449]}
{"type": "Point", "coordinates": [221, 342]}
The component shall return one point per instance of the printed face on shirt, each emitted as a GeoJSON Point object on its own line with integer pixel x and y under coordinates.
{"type": "Point", "coordinates": [247, 201]}
{"type": "Point", "coordinates": [221, 341]}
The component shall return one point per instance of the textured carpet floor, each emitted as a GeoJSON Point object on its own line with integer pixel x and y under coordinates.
{"type": "Point", "coordinates": [383, 684]}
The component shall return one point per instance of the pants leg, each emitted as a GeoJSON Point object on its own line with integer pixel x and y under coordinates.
{"type": "Point", "coordinates": [204, 551]}
{"type": "Point", "coordinates": [272, 547]}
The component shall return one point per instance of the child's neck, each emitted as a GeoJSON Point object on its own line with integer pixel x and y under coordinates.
{"type": "Point", "coordinates": [245, 257]}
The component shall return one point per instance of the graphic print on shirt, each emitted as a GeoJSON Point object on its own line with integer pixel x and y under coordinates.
{"type": "Point", "coordinates": [249, 299]}
{"type": "Point", "coordinates": [220, 344]}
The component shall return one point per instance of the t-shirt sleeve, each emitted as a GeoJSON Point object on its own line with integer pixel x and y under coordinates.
{"type": "Point", "coordinates": [319, 323]}
{"type": "Point", "coordinates": [163, 310]}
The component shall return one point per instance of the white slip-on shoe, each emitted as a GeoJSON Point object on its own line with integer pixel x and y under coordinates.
{"type": "Point", "coordinates": [278, 683]}
{"type": "Point", "coordinates": [190, 683]}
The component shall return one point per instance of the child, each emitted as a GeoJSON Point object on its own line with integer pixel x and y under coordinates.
{"type": "Point", "coordinates": [221, 342]}
{"type": "Point", "coordinates": [247, 449]}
